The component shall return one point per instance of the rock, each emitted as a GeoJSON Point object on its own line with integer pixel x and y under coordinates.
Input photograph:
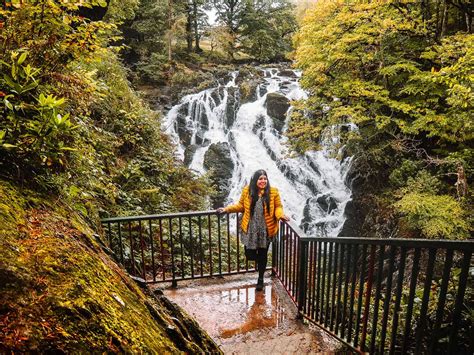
{"type": "Point", "coordinates": [219, 160]}
{"type": "Point", "coordinates": [352, 224]}
{"type": "Point", "coordinates": [185, 134]}
{"type": "Point", "coordinates": [189, 153]}
{"type": "Point", "coordinates": [184, 129]}
{"type": "Point", "coordinates": [259, 123]}
{"type": "Point", "coordinates": [248, 91]}
{"type": "Point", "coordinates": [288, 171]}
{"type": "Point", "coordinates": [139, 281]}
{"type": "Point", "coordinates": [217, 94]}
{"type": "Point", "coordinates": [277, 105]}
{"type": "Point", "coordinates": [288, 73]}
{"type": "Point", "coordinates": [231, 139]}
{"type": "Point", "coordinates": [203, 120]}
{"type": "Point", "coordinates": [312, 186]}
{"type": "Point", "coordinates": [327, 203]}
{"type": "Point", "coordinates": [233, 103]}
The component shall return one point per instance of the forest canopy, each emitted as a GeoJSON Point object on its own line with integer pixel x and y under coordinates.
{"type": "Point", "coordinates": [403, 72]}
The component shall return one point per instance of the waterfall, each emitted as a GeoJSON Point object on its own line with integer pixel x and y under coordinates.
{"type": "Point", "coordinates": [243, 134]}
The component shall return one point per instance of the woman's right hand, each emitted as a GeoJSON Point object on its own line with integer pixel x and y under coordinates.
{"type": "Point", "coordinates": [220, 210]}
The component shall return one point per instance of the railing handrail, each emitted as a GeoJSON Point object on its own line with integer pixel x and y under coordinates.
{"type": "Point", "coordinates": [467, 245]}
{"type": "Point", "coordinates": [412, 242]}
{"type": "Point", "coordinates": [322, 275]}
{"type": "Point", "coordinates": [158, 216]}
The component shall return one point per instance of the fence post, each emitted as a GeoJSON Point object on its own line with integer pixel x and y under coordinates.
{"type": "Point", "coordinates": [275, 245]}
{"type": "Point", "coordinates": [302, 279]}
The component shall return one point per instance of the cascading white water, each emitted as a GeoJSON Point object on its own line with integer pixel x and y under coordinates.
{"type": "Point", "coordinates": [312, 186]}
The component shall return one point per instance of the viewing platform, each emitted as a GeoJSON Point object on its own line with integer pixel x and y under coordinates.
{"type": "Point", "coordinates": [374, 296]}
{"type": "Point", "coordinates": [244, 321]}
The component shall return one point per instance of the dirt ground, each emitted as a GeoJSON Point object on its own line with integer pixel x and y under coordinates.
{"type": "Point", "coordinates": [243, 321]}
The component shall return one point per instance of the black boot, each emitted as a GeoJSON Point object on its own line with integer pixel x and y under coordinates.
{"type": "Point", "coordinates": [259, 284]}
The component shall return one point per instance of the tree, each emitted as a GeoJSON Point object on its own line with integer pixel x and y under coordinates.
{"type": "Point", "coordinates": [152, 34]}
{"type": "Point", "coordinates": [260, 28]}
{"type": "Point", "coordinates": [230, 14]}
{"type": "Point", "coordinates": [267, 28]}
{"type": "Point", "coordinates": [196, 22]}
{"type": "Point", "coordinates": [401, 71]}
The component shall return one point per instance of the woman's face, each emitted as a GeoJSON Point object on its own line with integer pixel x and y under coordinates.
{"type": "Point", "coordinates": [262, 182]}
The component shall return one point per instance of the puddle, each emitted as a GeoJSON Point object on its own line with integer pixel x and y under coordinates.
{"type": "Point", "coordinates": [238, 317]}
{"type": "Point", "coordinates": [263, 309]}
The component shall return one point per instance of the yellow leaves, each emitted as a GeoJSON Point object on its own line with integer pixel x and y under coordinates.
{"type": "Point", "coordinates": [436, 216]}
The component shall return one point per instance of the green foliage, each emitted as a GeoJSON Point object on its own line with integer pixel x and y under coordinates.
{"type": "Point", "coordinates": [35, 131]}
{"type": "Point", "coordinates": [261, 29]}
{"type": "Point", "coordinates": [267, 27]}
{"type": "Point", "coordinates": [52, 33]}
{"type": "Point", "coordinates": [86, 134]}
{"type": "Point", "coordinates": [121, 10]}
{"type": "Point", "coordinates": [436, 216]}
{"type": "Point", "coordinates": [425, 209]}
{"type": "Point", "coordinates": [133, 161]}
{"type": "Point", "coordinates": [423, 182]}
{"type": "Point", "coordinates": [405, 80]}
{"type": "Point", "coordinates": [407, 169]}
{"type": "Point", "coordinates": [40, 41]}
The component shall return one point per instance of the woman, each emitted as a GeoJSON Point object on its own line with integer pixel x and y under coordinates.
{"type": "Point", "coordinates": [262, 210]}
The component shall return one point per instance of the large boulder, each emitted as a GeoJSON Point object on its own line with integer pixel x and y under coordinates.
{"type": "Point", "coordinates": [288, 73]}
{"type": "Point", "coordinates": [218, 159]}
{"type": "Point", "coordinates": [277, 105]}
{"type": "Point", "coordinates": [248, 91]}
{"type": "Point", "coordinates": [352, 225]}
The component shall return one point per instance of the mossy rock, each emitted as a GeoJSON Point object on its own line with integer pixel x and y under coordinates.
{"type": "Point", "coordinates": [61, 292]}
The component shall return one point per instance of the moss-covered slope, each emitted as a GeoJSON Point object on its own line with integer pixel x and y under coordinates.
{"type": "Point", "coordinates": [60, 291]}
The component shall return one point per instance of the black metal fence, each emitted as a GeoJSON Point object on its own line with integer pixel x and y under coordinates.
{"type": "Point", "coordinates": [382, 295]}
{"type": "Point", "coordinates": [180, 246]}
{"type": "Point", "coordinates": [376, 295]}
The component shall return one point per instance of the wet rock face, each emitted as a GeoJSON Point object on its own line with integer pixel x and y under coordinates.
{"type": "Point", "coordinates": [217, 94]}
{"type": "Point", "coordinates": [219, 160]}
{"type": "Point", "coordinates": [288, 73]}
{"type": "Point", "coordinates": [259, 124]}
{"type": "Point", "coordinates": [277, 105]}
{"type": "Point", "coordinates": [233, 103]}
{"type": "Point", "coordinates": [327, 203]}
{"type": "Point", "coordinates": [182, 127]}
{"type": "Point", "coordinates": [248, 91]}
{"type": "Point", "coordinates": [189, 153]}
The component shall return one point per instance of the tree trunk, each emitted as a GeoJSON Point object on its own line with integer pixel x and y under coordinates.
{"type": "Point", "coordinates": [197, 48]}
{"type": "Point", "coordinates": [189, 26]}
{"type": "Point", "coordinates": [469, 22]}
{"type": "Point", "coordinates": [444, 21]}
{"type": "Point", "coordinates": [438, 19]}
{"type": "Point", "coordinates": [170, 26]}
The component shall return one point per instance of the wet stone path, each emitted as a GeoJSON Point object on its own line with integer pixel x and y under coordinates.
{"type": "Point", "coordinates": [243, 321]}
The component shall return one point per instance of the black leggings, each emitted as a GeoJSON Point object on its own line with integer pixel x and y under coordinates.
{"type": "Point", "coordinates": [260, 256]}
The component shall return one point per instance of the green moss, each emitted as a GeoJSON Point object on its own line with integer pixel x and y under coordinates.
{"type": "Point", "coordinates": [61, 292]}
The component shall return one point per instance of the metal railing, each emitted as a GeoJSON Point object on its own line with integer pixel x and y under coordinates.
{"type": "Point", "coordinates": [179, 246]}
{"type": "Point", "coordinates": [381, 295]}
{"type": "Point", "coordinates": [375, 295]}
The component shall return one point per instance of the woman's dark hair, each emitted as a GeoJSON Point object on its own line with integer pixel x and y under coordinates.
{"type": "Point", "coordinates": [253, 191]}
